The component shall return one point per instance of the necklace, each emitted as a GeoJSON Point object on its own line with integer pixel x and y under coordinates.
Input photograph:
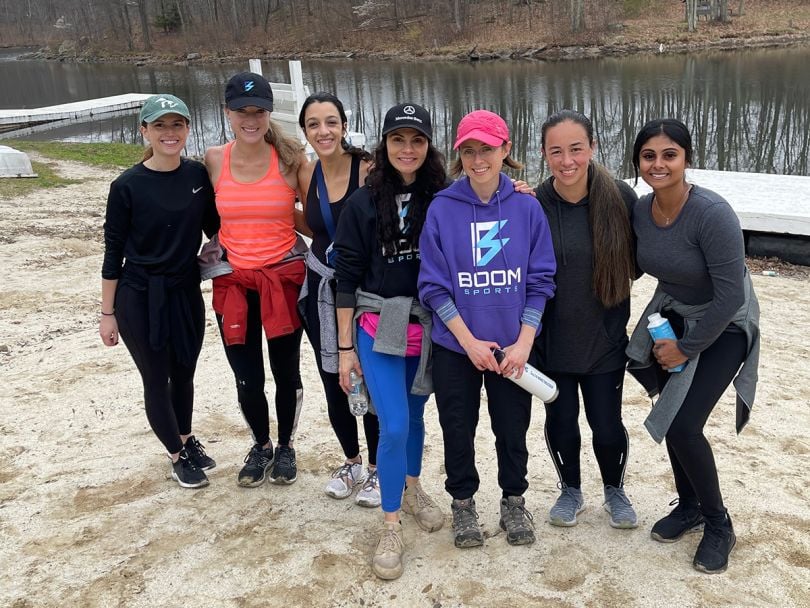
{"type": "Point", "coordinates": [676, 211]}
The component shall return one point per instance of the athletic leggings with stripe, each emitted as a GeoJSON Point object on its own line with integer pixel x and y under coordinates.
{"type": "Point", "coordinates": [168, 385]}
{"type": "Point", "coordinates": [602, 396]}
{"type": "Point", "coordinates": [690, 454]}
{"type": "Point", "coordinates": [247, 363]}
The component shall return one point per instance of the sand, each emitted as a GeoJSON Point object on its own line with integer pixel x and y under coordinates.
{"type": "Point", "coordinates": [89, 516]}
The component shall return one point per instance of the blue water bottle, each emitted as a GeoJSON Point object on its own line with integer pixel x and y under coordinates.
{"type": "Point", "coordinates": [660, 329]}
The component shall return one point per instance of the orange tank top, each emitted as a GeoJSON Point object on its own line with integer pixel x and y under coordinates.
{"type": "Point", "coordinates": [257, 226]}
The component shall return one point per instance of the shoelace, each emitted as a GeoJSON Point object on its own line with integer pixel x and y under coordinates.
{"type": "Point", "coordinates": [345, 472]}
{"type": "Point", "coordinates": [423, 500]}
{"type": "Point", "coordinates": [518, 512]}
{"type": "Point", "coordinates": [466, 517]}
{"type": "Point", "coordinates": [255, 456]}
{"type": "Point", "coordinates": [285, 457]}
{"type": "Point", "coordinates": [372, 481]}
{"type": "Point", "coordinates": [389, 541]}
{"type": "Point", "coordinates": [197, 447]}
{"type": "Point", "coordinates": [614, 492]}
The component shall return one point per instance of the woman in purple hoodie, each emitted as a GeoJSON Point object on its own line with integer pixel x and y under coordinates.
{"type": "Point", "coordinates": [487, 271]}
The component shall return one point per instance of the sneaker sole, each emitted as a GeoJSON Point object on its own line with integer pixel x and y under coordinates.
{"type": "Point", "coordinates": [556, 521]}
{"type": "Point", "coordinates": [621, 525]}
{"type": "Point", "coordinates": [467, 543]}
{"type": "Point", "coordinates": [190, 486]}
{"type": "Point", "coordinates": [337, 495]}
{"type": "Point", "coordinates": [246, 483]}
{"type": "Point", "coordinates": [701, 568]}
{"type": "Point", "coordinates": [283, 481]}
{"type": "Point", "coordinates": [657, 537]}
{"type": "Point", "coordinates": [367, 502]}
{"type": "Point", "coordinates": [524, 538]}
{"type": "Point", "coordinates": [387, 574]}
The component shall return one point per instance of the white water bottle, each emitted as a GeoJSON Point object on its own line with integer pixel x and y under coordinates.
{"type": "Point", "coordinates": [358, 397]}
{"type": "Point", "coordinates": [660, 329]}
{"type": "Point", "coordinates": [532, 380]}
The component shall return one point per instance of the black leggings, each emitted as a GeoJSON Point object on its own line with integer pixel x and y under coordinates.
{"type": "Point", "coordinates": [168, 385]}
{"type": "Point", "coordinates": [343, 421]}
{"type": "Point", "coordinates": [602, 396]}
{"type": "Point", "coordinates": [247, 363]}
{"type": "Point", "coordinates": [689, 452]}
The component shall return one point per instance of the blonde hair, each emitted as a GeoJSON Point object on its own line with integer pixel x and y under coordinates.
{"type": "Point", "coordinates": [289, 149]}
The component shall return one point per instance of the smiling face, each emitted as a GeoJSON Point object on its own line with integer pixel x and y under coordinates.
{"type": "Point", "coordinates": [568, 153]}
{"type": "Point", "coordinates": [323, 128]}
{"type": "Point", "coordinates": [407, 150]}
{"type": "Point", "coordinates": [662, 162]}
{"type": "Point", "coordinates": [167, 135]}
{"type": "Point", "coordinates": [482, 163]}
{"type": "Point", "coordinates": [249, 124]}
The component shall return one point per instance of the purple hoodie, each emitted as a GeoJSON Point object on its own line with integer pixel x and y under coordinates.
{"type": "Point", "coordinates": [491, 263]}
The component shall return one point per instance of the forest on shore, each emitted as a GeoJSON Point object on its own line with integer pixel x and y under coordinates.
{"type": "Point", "coordinates": [210, 30]}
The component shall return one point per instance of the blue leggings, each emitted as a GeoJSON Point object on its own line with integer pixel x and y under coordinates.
{"type": "Point", "coordinates": [401, 414]}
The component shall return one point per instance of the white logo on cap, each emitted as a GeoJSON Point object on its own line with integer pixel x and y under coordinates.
{"type": "Point", "coordinates": [410, 110]}
{"type": "Point", "coordinates": [165, 102]}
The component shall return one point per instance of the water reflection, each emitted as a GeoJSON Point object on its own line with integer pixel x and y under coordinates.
{"type": "Point", "coordinates": [748, 110]}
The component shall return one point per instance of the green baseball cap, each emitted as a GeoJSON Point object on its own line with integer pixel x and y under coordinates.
{"type": "Point", "coordinates": [160, 105]}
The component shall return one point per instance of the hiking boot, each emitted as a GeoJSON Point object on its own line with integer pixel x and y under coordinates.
{"type": "Point", "coordinates": [257, 462]}
{"type": "Point", "coordinates": [466, 531]}
{"type": "Point", "coordinates": [284, 471]}
{"type": "Point", "coordinates": [196, 452]}
{"type": "Point", "coordinates": [187, 474]}
{"type": "Point", "coordinates": [569, 504]}
{"type": "Point", "coordinates": [683, 519]}
{"type": "Point", "coordinates": [369, 494]}
{"type": "Point", "coordinates": [345, 477]}
{"type": "Point", "coordinates": [715, 547]}
{"type": "Point", "coordinates": [387, 560]}
{"type": "Point", "coordinates": [516, 521]}
{"type": "Point", "coordinates": [426, 512]}
{"type": "Point", "coordinates": [620, 508]}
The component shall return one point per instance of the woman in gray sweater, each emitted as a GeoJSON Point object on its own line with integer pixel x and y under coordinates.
{"type": "Point", "coordinates": [689, 238]}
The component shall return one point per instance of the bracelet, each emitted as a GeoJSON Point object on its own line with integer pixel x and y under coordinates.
{"type": "Point", "coordinates": [107, 314]}
{"type": "Point", "coordinates": [345, 349]}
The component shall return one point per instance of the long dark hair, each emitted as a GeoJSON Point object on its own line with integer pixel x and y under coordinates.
{"type": "Point", "coordinates": [613, 255]}
{"type": "Point", "coordinates": [672, 128]}
{"type": "Point", "coordinates": [324, 97]}
{"type": "Point", "coordinates": [385, 182]}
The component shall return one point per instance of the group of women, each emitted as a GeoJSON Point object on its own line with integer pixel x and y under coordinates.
{"type": "Point", "coordinates": [413, 283]}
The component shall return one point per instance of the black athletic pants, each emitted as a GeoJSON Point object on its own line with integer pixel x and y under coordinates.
{"type": "Point", "coordinates": [602, 397]}
{"type": "Point", "coordinates": [247, 363]}
{"type": "Point", "coordinates": [168, 385]}
{"type": "Point", "coordinates": [689, 452]}
{"type": "Point", "coordinates": [343, 421]}
{"type": "Point", "coordinates": [457, 383]}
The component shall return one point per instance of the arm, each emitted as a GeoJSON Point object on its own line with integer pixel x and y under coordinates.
{"type": "Point", "coordinates": [116, 231]}
{"type": "Point", "coordinates": [108, 325]}
{"type": "Point", "coordinates": [541, 268]}
{"type": "Point", "coordinates": [213, 163]}
{"type": "Point", "coordinates": [305, 170]}
{"type": "Point", "coordinates": [348, 358]}
{"type": "Point", "coordinates": [355, 236]}
{"type": "Point", "coordinates": [479, 351]}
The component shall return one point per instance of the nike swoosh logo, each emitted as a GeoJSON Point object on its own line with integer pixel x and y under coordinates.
{"type": "Point", "coordinates": [196, 190]}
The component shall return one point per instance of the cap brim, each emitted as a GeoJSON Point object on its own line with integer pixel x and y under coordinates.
{"type": "Point", "coordinates": [244, 102]}
{"type": "Point", "coordinates": [153, 116]}
{"type": "Point", "coordinates": [419, 128]}
{"type": "Point", "coordinates": [478, 135]}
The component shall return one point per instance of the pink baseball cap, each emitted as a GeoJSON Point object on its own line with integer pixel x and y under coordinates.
{"type": "Point", "coordinates": [483, 125]}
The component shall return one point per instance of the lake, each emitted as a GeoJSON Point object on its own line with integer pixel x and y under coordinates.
{"type": "Point", "coordinates": [749, 110]}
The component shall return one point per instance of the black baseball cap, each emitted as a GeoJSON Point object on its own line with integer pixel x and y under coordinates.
{"type": "Point", "coordinates": [248, 89]}
{"type": "Point", "coordinates": [408, 116]}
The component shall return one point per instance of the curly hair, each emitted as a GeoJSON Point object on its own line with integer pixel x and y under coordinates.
{"type": "Point", "coordinates": [385, 182]}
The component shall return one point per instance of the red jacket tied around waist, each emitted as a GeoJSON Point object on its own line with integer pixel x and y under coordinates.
{"type": "Point", "coordinates": [278, 286]}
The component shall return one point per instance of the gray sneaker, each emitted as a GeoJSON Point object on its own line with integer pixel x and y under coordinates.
{"type": "Point", "coordinates": [466, 531]}
{"type": "Point", "coordinates": [516, 521]}
{"type": "Point", "coordinates": [569, 504]}
{"type": "Point", "coordinates": [620, 508]}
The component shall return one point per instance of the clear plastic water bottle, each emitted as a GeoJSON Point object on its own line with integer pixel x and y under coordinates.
{"type": "Point", "coordinates": [358, 396]}
{"type": "Point", "coordinates": [660, 329]}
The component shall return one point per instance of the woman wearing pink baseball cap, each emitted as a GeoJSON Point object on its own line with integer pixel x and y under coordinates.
{"type": "Point", "coordinates": [487, 271]}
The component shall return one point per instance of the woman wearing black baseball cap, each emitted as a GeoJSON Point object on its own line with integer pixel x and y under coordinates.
{"type": "Point", "coordinates": [156, 212]}
{"type": "Point", "coordinates": [255, 182]}
{"type": "Point", "coordinates": [383, 333]}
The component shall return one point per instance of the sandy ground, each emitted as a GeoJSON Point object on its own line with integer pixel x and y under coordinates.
{"type": "Point", "coordinates": [89, 517]}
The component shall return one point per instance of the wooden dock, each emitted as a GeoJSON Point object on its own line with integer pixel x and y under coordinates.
{"type": "Point", "coordinates": [14, 119]}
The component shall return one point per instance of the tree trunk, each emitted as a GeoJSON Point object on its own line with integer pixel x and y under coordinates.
{"type": "Point", "coordinates": [143, 11]}
{"type": "Point", "coordinates": [691, 15]}
{"type": "Point", "coordinates": [234, 21]}
{"type": "Point", "coordinates": [577, 21]}
{"type": "Point", "coordinates": [722, 13]}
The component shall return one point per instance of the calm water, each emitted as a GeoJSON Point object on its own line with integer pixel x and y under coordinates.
{"type": "Point", "coordinates": [749, 110]}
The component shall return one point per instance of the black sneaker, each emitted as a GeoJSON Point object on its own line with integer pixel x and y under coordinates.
{"type": "Point", "coordinates": [257, 462]}
{"type": "Point", "coordinates": [284, 470]}
{"type": "Point", "coordinates": [466, 531]}
{"type": "Point", "coordinates": [684, 519]}
{"type": "Point", "coordinates": [516, 521]}
{"type": "Point", "coordinates": [715, 547]}
{"type": "Point", "coordinates": [187, 474]}
{"type": "Point", "coordinates": [196, 452]}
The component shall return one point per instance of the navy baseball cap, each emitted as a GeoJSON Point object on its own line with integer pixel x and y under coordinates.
{"type": "Point", "coordinates": [248, 89]}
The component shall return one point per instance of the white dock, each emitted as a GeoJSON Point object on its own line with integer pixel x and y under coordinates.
{"type": "Point", "coordinates": [777, 204]}
{"type": "Point", "coordinates": [74, 110]}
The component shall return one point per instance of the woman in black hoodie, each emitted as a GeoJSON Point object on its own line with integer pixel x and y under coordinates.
{"type": "Point", "coordinates": [584, 334]}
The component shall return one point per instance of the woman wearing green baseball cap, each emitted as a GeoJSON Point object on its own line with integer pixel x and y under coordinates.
{"type": "Point", "coordinates": [150, 286]}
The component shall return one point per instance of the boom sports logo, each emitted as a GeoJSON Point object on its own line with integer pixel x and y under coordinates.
{"type": "Point", "coordinates": [487, 242]}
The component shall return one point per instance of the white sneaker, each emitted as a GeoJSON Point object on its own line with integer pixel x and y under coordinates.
{"type": "Point", "coordinates": [369, 494]}
{"type": "Point", "coordinates": [344, 479]}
